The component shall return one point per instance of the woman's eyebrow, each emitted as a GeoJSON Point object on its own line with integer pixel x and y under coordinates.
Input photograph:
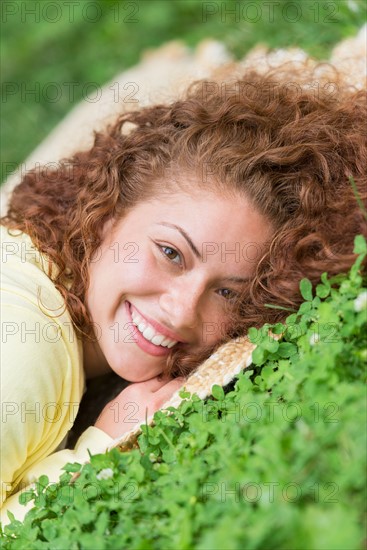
{"type": "Point", "coordinates": [237, 279]}
{"type": "Point", "coordinates": [185, 235]}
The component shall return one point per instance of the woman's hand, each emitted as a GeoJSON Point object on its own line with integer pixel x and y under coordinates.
{"type": "Point", "coordinates": [136, 402]}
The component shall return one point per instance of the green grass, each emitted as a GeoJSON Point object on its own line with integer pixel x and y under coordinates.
{"type": "Point", "coordinates": [275, 461]}
{"type": "Point", "coordinates": [88, 45]}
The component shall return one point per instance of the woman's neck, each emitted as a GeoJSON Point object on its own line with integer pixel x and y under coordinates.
{"type": "Point", "coordinates": [94, 362]}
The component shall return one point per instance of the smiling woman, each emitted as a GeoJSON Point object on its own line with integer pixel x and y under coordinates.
{"type": "Point", "coordinates": [168, 293]}
{"type": "Point", "coordinates": [167, 238]}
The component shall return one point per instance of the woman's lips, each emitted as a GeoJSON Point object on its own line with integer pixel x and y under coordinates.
{"type": "Point", "coordinates": [157, 326]}
{"type": "Point", "coordinates": [143, 343]}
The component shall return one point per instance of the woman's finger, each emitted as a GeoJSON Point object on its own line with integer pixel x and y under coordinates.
{"type": "Point", "coordinates": [154, 384]}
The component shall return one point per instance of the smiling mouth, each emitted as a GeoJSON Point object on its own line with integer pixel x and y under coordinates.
{"type": "Point", "coordinates": [149, 332]}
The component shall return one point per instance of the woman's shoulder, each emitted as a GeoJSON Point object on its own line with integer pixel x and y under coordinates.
{"type": "Point", "coordinates": [30, 302]}
{"type": "Point", "coordinates": [17, 248]}
{"type": "Point", "coordinates": [24, 271]}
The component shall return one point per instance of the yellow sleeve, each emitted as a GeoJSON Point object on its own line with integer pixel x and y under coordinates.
{"type": "Point", "coordinates": [41, 392]}
{"type": "Point", "coordinates": [42, 376]}
{"type": "Point", "coordinates": [93, 439]}
{"type": "Point", "coordinates": [41, 389]}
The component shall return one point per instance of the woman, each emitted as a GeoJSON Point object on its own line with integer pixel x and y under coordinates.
{"type": "Point", "coordinates": [165, 239]}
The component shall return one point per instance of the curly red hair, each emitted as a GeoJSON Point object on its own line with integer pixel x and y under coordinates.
{"type": "Point", "coordinates": [290, 151]}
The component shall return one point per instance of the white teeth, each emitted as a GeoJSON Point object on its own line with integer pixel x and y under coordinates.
{"type": "Point", "coordinates": [171, 345]}
{"type": "Point", "coordinates": [158, 340]}
{"type": "Point", "coordinates": [150, 334]}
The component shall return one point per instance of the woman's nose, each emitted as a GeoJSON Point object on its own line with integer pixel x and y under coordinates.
{"type": "Point", "coordinates": [181, 302]}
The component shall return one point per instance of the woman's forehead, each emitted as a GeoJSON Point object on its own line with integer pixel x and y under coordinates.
{"type": "Point", "coordinates": [213, 225]}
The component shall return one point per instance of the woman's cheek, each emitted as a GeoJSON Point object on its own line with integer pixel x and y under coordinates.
{"type": "Point", "coordinates": [142, 272]}
{"type": "Point", "coordinates": [215, 326]}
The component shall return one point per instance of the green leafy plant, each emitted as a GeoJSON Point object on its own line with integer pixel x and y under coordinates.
{"type": "Point", "coordinates": [274, 460]}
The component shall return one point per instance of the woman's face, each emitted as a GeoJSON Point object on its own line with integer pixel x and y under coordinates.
{"type": "Point", "coordinates": [165, 275]}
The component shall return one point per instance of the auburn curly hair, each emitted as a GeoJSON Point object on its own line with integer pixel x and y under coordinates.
{"type": "Point", "coordinates": [289, 150]}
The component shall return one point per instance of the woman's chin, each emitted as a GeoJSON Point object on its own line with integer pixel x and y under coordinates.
{"type": "Point", "coordinates": [137, 375]}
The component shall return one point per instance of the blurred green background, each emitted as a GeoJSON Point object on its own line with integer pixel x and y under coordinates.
{"type": "Point", "coordinates": [91, 41]}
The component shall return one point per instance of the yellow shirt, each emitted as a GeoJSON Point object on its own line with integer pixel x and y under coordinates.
{"type": "Point", "coordinates": [42, 377]}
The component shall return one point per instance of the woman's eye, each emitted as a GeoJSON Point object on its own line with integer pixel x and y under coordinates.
{"type": "Point", "coordinates": [228, 294]}
{"type": "Point", "coordinates": [170, 254]}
